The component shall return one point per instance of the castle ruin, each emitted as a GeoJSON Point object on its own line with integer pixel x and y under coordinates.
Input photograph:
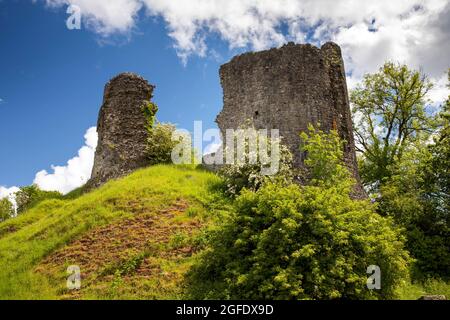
{"type": "Point", "coordinates": [121, 128]}
{"type": "Point", "coordinates": [286, 88]}
{"type": "Point", "coordinates": [289, 88]}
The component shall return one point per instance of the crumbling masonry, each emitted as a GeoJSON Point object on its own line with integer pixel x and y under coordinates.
{"type": "Point", "coordinates": [121, 129]}
{"type": "Point", "coordinates": [287, 89]}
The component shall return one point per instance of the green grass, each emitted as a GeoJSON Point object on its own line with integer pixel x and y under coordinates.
{"type": "Point", "coordinates": [26, 240]}
{"type": "Point", "coordinates": [413, 291]}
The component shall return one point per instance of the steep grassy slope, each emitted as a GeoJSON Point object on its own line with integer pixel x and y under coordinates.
{"type": "Point", "coordinates": [132, 238]}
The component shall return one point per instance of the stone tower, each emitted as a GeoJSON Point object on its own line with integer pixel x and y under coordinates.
{"type": "Point", "coordinates": [287, 89]}
{"type": "Point", "coordinates": [121, 128]}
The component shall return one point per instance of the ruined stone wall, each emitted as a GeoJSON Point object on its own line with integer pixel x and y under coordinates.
{"type": "Point", "coordinates": [287, 89]}
{"type": "Point", "coordinates": [121, 128]}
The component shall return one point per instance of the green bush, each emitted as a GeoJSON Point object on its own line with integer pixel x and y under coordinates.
{"type": "Point", "coordinates": [245, 174]}
{"type": "Point", "coordinates": [162, 138]}
{"type": "Point", "coordinates": [324, 163]}
{"type": "Point", "coordinates": [293, 242]}
{"type": "Point", "coordinates": [29, 196]}
{"type": "Point", "coordinates": [160, 144]}
{"type": "Point", "coordinates": [6, 209]}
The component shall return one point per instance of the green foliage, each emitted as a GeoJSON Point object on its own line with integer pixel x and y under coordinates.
{"type": "Point", "coordinates": [160, 137]}
{"type": "Point", "coordinates": [75, 193]}
{"type": "Point", "coordinates": [126, 266]}
{"type": "Point", "coordinates": [415, 290]}
{"type": "Point", "coordinates": [27, 239]}
{"type": "Point", "coordinates": [29, 196]}
{"type": "Point", "coordinates": [436, 169]}
{"type": "Point", "coordinates": [6, 209]}
{"type": "Point", "coordinates": [405, 199]}
{"type": "Point", "coordinates": [389, 113]}
{"type": "Point", "coordinates": [149, 109]}
{"type": "Point", "coordinates": [417, 197]}
{"type": "Point", "coordinates": [160, 143]}
{"type": "Point", "coordinates": [405, 156]}
{"type": "Point", "coordinates": [312, 242]}
{"type": "Point", "coordinates": [324, 169]}
{"type": "Point", "coordinates": [244, 173]}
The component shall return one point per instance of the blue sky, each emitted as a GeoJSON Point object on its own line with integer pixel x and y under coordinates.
{"type": "Point", "coordinates": [52, 78]}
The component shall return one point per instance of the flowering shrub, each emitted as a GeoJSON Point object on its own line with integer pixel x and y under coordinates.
{"type": "Point", "coordinates": [160, 143]}
{"type": "Point", "coordinates": [302, 242]}
{"type": "Point", "coordinates": [244, 173]}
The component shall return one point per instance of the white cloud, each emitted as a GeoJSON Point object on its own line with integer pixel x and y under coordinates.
{"type": "Point", "coordinates": [212, 147]}
{"type": "Point", "coordinates": [418, 35]}
{"type": "Point", "coordinates": [75, 173]}
{"type": "Point", "coordinates": [412, 31]}
{"type": "Point", "coordinates": [10, 194]}
{"type": "Point", "coordinates": [105, 16]}
{"type": "Point", "coordinates": [416, 32]}
{"type": "Point", "coordinates": [7, 192]}
{"type": "Point", "coordinates": [439, 92]}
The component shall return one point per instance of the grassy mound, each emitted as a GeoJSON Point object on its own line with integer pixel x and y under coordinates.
{"type": "Point", "coordinates": [132, 238]}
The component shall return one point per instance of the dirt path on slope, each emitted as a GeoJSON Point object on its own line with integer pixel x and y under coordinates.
{"type": "Point", "coordinates": [132, 250]}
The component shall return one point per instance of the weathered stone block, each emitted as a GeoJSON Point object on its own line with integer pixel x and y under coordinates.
{"type": "Point", "coordinates": [287, 89]}
{"type": "Point", "coordinates": [121, 128]}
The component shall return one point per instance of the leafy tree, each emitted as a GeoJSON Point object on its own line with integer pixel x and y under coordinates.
{"type": "Point", "coordinates": [436, 170]}
{"type": "Point", "coordinates": [310, 242]}
{"type": "Point", "coordinates": [6, 209]}
{"type": "Point", "coordinates": [27, 197]}
{"type": "Point", "coordinates": [389, 113]}
{"type": "Point", "coordinates": [417, 196]}
{"type": "Point", "coordinates": [406, 198]}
